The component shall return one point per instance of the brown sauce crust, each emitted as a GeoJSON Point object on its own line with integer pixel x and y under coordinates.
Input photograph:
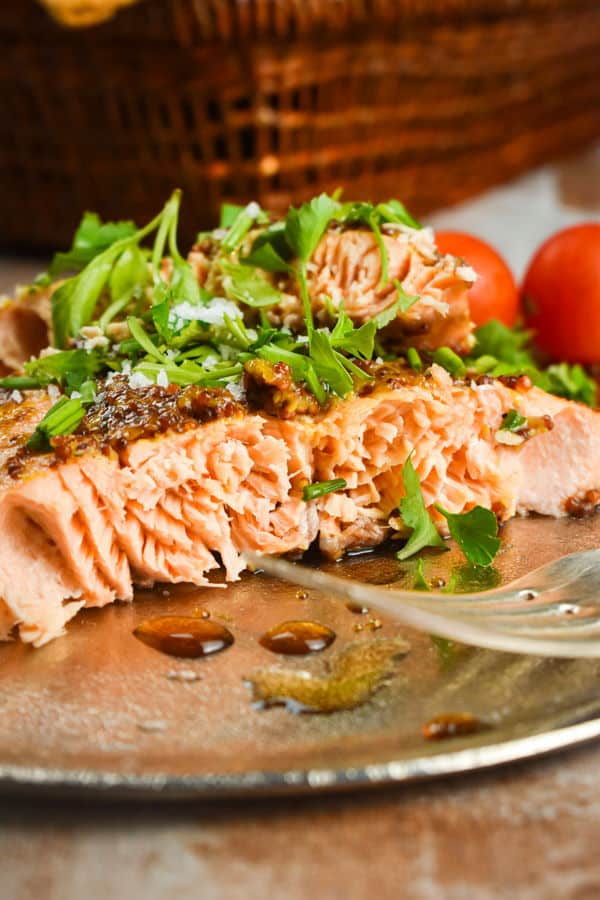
{"type": "Point", "coordinates": [122, 414]}
{"type": "Point", "coordinates": [579, 507]}
{"type": "Point", "coordinates": [270, 388]}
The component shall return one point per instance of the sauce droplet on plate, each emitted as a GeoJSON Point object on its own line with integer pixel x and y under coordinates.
{"type": "Point", "coordinates": [184, 636]}
{"type": "Point", "coordinates": [450, 725]}
{"type": "Point", "coordinates": [358, 608]}
{"type": "Point", "coordinates": [297, 638]}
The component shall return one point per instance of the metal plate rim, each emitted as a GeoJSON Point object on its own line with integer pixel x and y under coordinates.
{"type": "Point", "coordinates": [163, 786]}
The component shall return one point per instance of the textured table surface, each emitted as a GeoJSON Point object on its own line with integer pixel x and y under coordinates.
{"type": "Point", "coordinates": [527, 831]}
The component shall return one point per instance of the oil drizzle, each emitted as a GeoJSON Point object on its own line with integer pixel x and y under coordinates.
{"type": "Point", "coordinates": [297, 638]}
{"type": "Point", "coordinates": [347, 679]}
{"type": "Point", "coordinates": [184, 636]}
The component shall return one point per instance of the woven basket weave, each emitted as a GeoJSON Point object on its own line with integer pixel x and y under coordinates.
{"type": "Point", "coordinates": [428, 100]}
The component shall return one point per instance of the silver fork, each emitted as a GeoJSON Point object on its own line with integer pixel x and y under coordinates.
{"type": "Point", "coordinates": [552, 611]}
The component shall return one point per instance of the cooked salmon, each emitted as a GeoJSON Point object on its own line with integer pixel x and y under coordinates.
{"type": "Point", "coordinates": [344, 273]}
{"type": "Point", "coordinates": [24, 327]}
{"type": "Point", "coordinates": [161, 484]}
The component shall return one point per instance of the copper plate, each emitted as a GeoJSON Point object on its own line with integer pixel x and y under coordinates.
{"type": "Point", "coordinates": [97, 711]}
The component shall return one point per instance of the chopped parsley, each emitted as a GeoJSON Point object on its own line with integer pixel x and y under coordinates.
{"type": "Point", "coordinates": [513, 421]}
{"type": "Point", "coordinates": [500, 350]}
{"type": "Point", "coordinates": [415, 516]}
{"type": "Point", "coordinates": [320, 488]}
{"type": "Point", "coordinates": [449, 360]}
{"type": "Point", "coordinates": [63, 418]}
{"type": "Point", "coordinates": [475, 531]}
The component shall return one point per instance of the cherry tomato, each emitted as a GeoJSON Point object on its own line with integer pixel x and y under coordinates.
{"type": "Point", "coordinates": [494, 295]}
{"type": "Point", "coordinates": [561, 294]}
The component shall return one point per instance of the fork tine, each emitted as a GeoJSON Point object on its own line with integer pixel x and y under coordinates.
{"type": "Point", "coordinates": [457, 621]}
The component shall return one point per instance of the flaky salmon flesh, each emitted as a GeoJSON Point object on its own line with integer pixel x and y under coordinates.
{"type": "Point", "coordinates": [168, 484]}
{"type": "Point", "coordinates": [345, 272]}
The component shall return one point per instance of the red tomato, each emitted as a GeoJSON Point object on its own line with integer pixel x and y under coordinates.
{"type": "Point", "coordinates": [561, 294]}
{"type": "Point", "coordinates": [494, 295]}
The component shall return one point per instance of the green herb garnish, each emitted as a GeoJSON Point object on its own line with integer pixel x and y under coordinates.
{"type": "Point", "coordinates": [513, 421]}
{"type": "Point", "coordinates": [304, 228]}
{"type": "Point", "coordinates": [420, 583]}
{"type": "Point", "coordinates": [475, 532]}
{"type": "Point", "coordinates": [320, 488]}
{"type": "Point", "coordinates": [414, 515]}
{"type": "Point", "coordinates": [450, 361]}
{"type": "Point", "coordinates": [62, 418]}
{"type": "Point", "coordinates": [91, 238]}
{"type": "Point", "coordinates": [414, 360]}
{"type": "Point", "coordinates": [506, 351]}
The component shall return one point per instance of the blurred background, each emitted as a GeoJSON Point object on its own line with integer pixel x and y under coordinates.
{"type": "Point", "coordinates": [108, 104]}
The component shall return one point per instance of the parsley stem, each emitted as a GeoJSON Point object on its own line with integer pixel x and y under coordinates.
{"type": "Point", "coordinates": [382, 249]}
{"type": "Point", "coordinates": [143, 339]}
{"type": "Point", "coordinates": [168, 215]}
{"type": "Point", "coordinates": [306, 304]}
{"type": "Point", "coordinates": [114, 309]}
{"type": "Point", "coordinates": [20, 382]}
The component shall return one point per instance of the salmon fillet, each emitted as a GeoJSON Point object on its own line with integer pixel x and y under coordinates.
{"type": "Point", "coordinates": [24, 327]}
{"type": "Point", "coordinates": [345, 272]}
{"type": "Point", "coordinates": [347, 269]}
{"type": "Point", "coordinates": [166, 484]}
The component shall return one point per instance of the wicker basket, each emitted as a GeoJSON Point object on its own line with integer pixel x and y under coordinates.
{"type": "Point", "coordinates": [428, 100]}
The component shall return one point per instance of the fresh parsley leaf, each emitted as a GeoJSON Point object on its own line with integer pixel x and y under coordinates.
{"type": "Point", "coordinates": [160, 313]}
{"type": "Point", "coordinates": [504, 351]}
{"type": "Point", "coordinates": [74, 302]}
{"type": "Point", "coordinates": [475, 532]}
{"type": "Point", "coordinates": [328, 365]}
{"type": "Point", "coordinates": [305, 225]}
{"type": "Point", "coordinates": [240, 224]}
{"type": "Point", "coordinates": [405, 301]}
{"type": "Point", "coordinates": [356, 341]}
{"type": "Point", "coordinates": [247, 286]}
{"type": "Point", "coordinates": [128, 278]}
{"type": "Point", "coordinates": [130, 272]}
{"type": "Point", "coordinates": [402, 304]}
{"type": "Point", "coordinates": [69, 368]}
{"type": "Point", "coordinates": [396, 212]}
{"type": "Point", "coordinates": [229, 213]}
{"type": "Point", "coordinates": [301, 367]}
{"type": "Point", "coordinates": [184, 287]}
{"type": "Point", "coordinates": [571, 382]}
{"type": "Point", "coordinates": [414, 515]}
{"type": "Point", "coordinates": [320, 488]}
{"type": "Point", "coordinates": [91, 238]}
{"type": "Point", "coordinates": [513, 421]}
{"type": "Point", "coordinates": [304, 228]}
{"type": "Point", "coordinates": [270, 250]}
{"type": "Point", "coordinates": [506, 345]}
